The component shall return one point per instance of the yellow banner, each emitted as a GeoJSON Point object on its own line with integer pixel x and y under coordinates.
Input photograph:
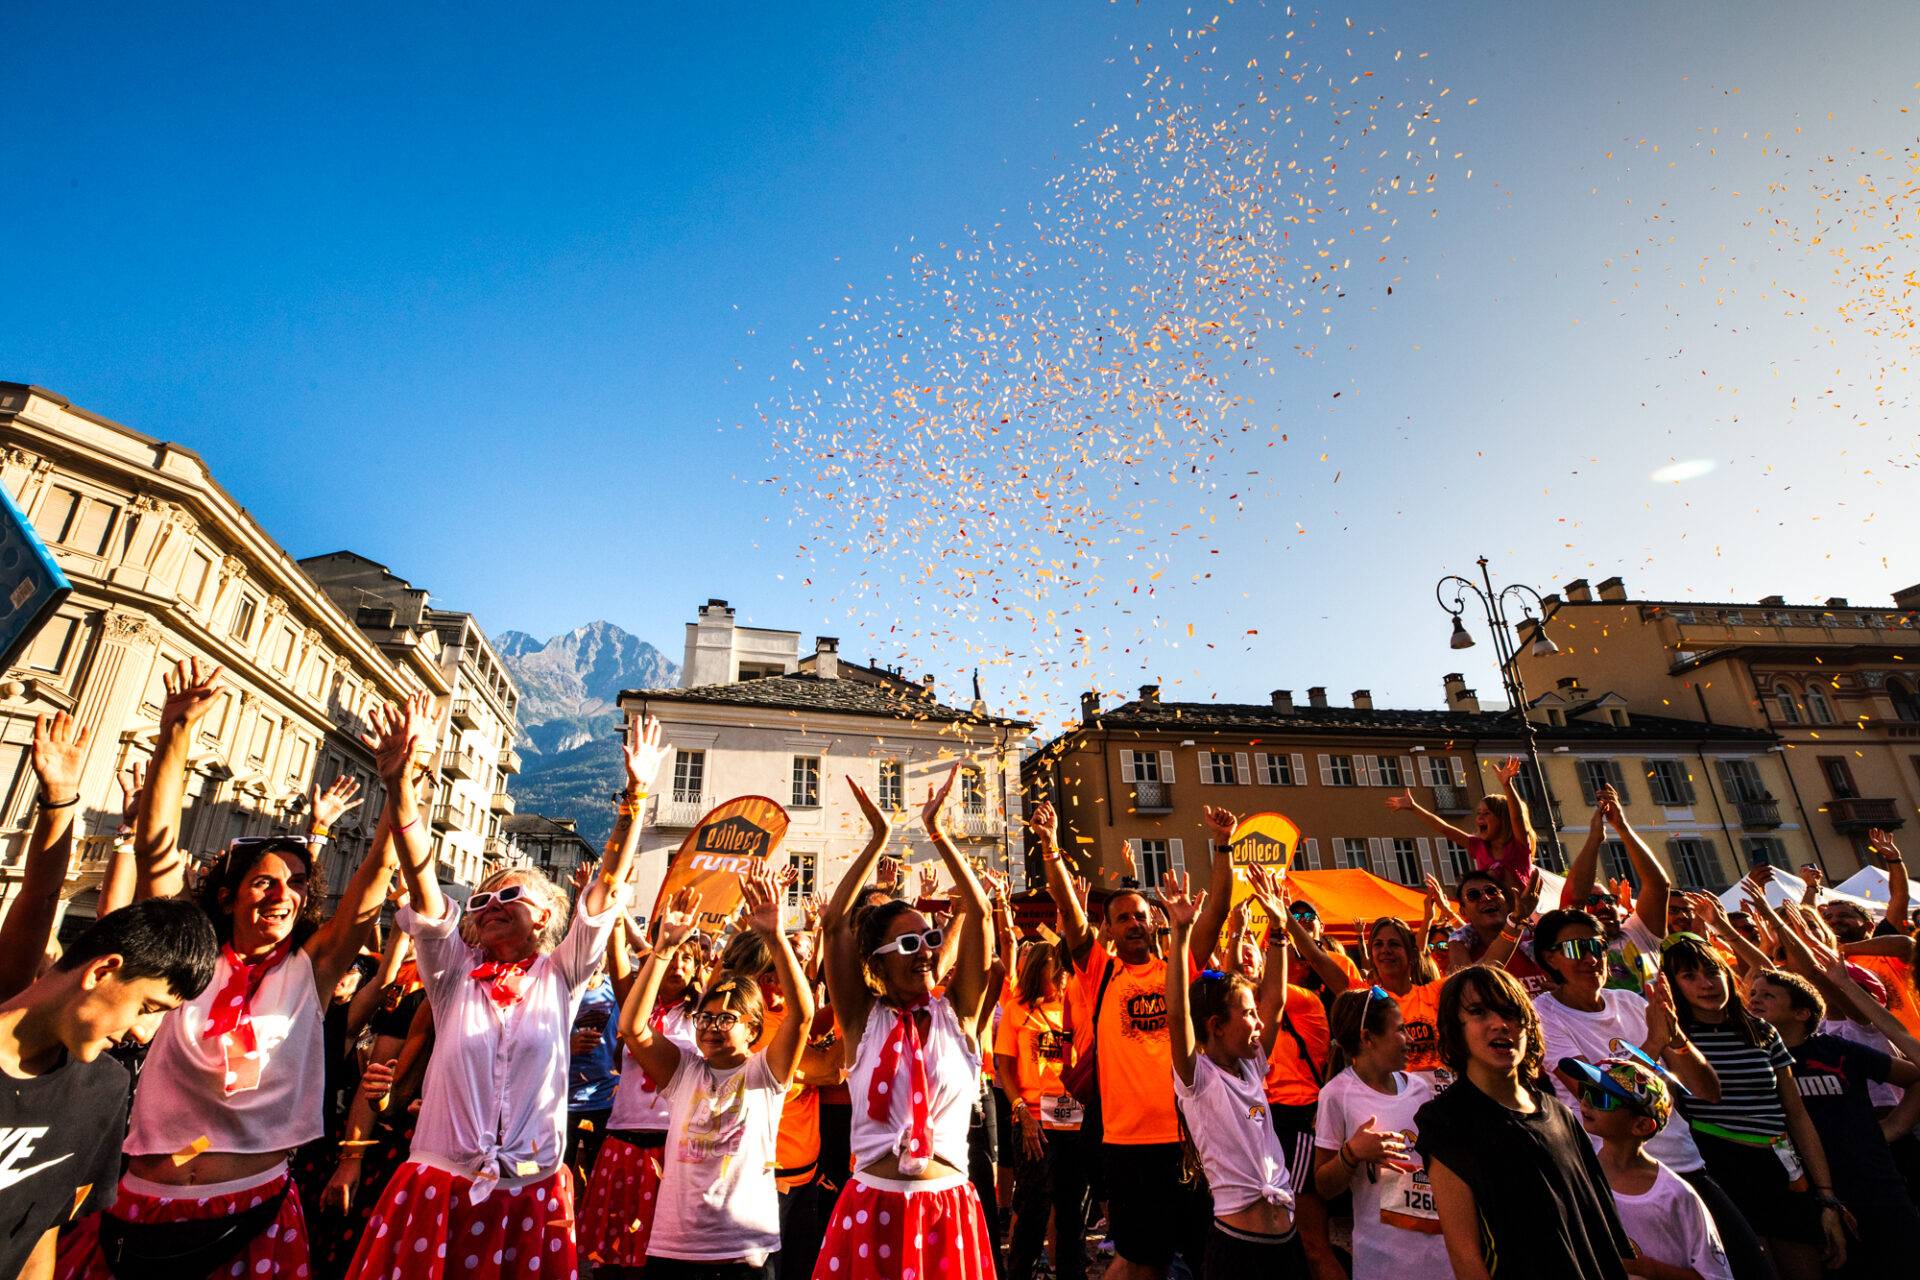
{"type": "Point", "coordinates": [1261, 840]}
{"type": "Point", "coordinates": [735, 837]}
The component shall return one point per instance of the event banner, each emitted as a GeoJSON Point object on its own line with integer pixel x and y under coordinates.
{"type": "Point", "coordinates": [1261, 840]}
{"type": "Point", "coordinates": [731, 839]}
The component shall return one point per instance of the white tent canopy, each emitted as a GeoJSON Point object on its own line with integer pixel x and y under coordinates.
{"type": "Point", "coordinates": [1870, 884]}
{"type": "Point", "coordinates": [1783, 889]}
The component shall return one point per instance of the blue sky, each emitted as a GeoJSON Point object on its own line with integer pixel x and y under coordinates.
{"type": "Point", "coordinates": [492, 295]}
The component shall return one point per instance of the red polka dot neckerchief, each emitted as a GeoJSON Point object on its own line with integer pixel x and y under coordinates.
{"type": "Point", "coordinates": [232, 1017]}
{"type": "Point", "coordinates": [914, 1146]}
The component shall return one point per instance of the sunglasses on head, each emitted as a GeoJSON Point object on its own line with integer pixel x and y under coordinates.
{"type": "Point", "coordinates": [1379, 993]}
{"type": "Point", "coordinates": [721, 1021]}
{"type": "Point", "coordinates": [503, 895]}
{"type": "Point", "coordinates": [910, 943]}
{"type": "Point", "coordinates": [1575, 948]}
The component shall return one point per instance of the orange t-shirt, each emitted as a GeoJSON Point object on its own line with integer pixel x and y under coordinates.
{"type": "Point", "coordinates": [1355, 980]}
{"type": "Point", "coordinates": [1420, 1011]}
{"type": "Point", "coordinates": [1135, 1053]}
{"type": "Point", "coordinates": [1292, 1081]}
{"type": "Point", "coordinates": [1896, 975]}
{"type": "Point", "coordinates": [797, 1145]}
{"type": "Point", "coordinates": [1041, 1048]}
{"type": "Point", "coordinates": [1004, 1034]}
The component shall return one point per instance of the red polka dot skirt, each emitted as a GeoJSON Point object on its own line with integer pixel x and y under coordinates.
{"type": "Point", "coordinates": [878, 1233]}
{"type": "Point", "coordinates": [616, 1215]}
{"type": "Point", "coordinates": [280, 1250]}
{"type": "Point", "coordinates": [427, 1228]}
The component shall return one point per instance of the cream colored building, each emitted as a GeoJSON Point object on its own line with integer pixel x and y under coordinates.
{"type": "Point", "coordinates": [796, 729]}
{"type": "Point", "coordinates": [165, 564]}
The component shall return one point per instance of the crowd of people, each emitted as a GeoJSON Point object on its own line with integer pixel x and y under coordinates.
{"type": "Point", "coordinates": [213, 1080]}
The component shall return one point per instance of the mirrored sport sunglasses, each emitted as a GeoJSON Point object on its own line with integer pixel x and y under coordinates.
{"type": "Point", "coordinates": [1599, 1099]}
{"type": "Point", "coordinates": [1596, 898]}
{"type": "Point", "coordinates": [1575, 948]}
{"type": "Point", "coordinates": [909, 943]}
{"type": "Point", "coordinates": [1303, 911]}
{"type": "Point", "coordinates": [503, 895]}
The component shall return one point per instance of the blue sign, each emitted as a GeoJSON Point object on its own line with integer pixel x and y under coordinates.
{"type": "Point", "coordinates": [31, 584]}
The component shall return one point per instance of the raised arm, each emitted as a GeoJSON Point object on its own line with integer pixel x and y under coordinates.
{"type": "Point", "coordinates": [1270, 891]}
{"type": "Point", "coordinates": [1218, 898]}
{"type": "Point", "coordinates": [1897, 886]}
{"type": "Point", "coordinates": [658, 1056]}
{"type": "Point", "coordinates": [1581, 872]}
{"type": "Point", "coordinates": [1707, 907]}
{"type": "Point", "coordinates": [1073, 916]}
{"type": "Point", "coordinates": [843, 965]}
{"type": "Point", "coordinates": [397, 732]}
{"type": "Point", "coordinates": [160, 870]}
{"type": "Point", "coordinates": [1405, 803]}
{"type": "Point", "coordinates": [1500, 951]}
{"type": "Point", "coordinates": [59, 752]}
{"type": "Point", "coordinates": [643, 752]}
{"type": "Point", "coordinates": [762, 893]}
{"type": "Point", "coordinates": [1316, 957]}
{"type": "Point", "coordinates": [1181, 913]}
{"type": "Point", "coordinates": [1650, 900]}
{"type": "Point", "coordinates": [117, 877]}
{"type": "Point", "coordinates": [335, 945]}
{"type": "Point", "coordinates": [1522, 819]}
{"type": "Point", "coordinates": [367, 999]}
{"type": "Point", "coordinates": [967, 988]}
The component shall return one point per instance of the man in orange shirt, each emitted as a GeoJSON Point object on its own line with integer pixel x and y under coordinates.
{"type": "Point", "coordinates": [1151, 1211]}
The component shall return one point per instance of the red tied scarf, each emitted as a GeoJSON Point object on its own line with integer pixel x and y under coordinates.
{"type": "Point", "coordinates": [231, 1018]}
{"type": "Point", "coordinates": [904, 1036]}
{"type": "Point", "coordinates": [506, 979]}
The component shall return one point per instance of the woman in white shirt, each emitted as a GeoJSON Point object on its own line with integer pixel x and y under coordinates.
{"type": "Point", "coordinates": [1219, 1079]}
{"type": "Point", "coordinates": [1365, 1137]}
{"type": "Point", "coordinates": [718, 1210]}
{"type": "Point", "coordinates": [485, 1188]}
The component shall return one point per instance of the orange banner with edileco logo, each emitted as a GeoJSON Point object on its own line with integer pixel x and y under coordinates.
{"type": "Point", "coordinates": [733, 838]}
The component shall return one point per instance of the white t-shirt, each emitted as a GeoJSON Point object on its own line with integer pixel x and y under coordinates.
{"type": "Point", "coordinates": [1635, 951]}
{"type": "Point", "coordinates": [1396, 1231]}
{"type": "Point", "coordinates": [1670, 1224]}
{"type": "Point", "coordinates": [1569, 1033]}
{"type": "Point", "coordinates": [637, 1104]}
{"type": "Point", "coordinates": [1227, 1115]}
{"type": "Point", "coordinates": [717, 1197]}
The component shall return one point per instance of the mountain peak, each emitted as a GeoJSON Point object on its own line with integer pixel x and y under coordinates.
{"type": "Point", "coordinates": [573, 680]}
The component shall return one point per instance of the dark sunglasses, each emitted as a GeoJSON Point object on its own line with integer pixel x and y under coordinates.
{"type": "Point", "coordinates": [1303, 913]}
{"type": "Point", "coordinates": [1575, 948]}
{"type": "Point", "coordinates": [1599, 1099]}
{"type": "Point", "coordinates": [1481, 895]}
{"type": "Point", "coordinates": [1596, 898]}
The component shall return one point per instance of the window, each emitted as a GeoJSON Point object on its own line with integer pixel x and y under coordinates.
{"type": "Point", "coordinates": [1768, 849]}
{"type": "Point", "coordinates": [1216, 767]}
{"type": "Point", "coordinates": [1735, 618]}
{"type": "Point", "coordinates": [1406, 858]}
{"type": "Point", "coordinates": [1155, 861]}
{"type": "Point", "coordinates": [317, 681]}
{"type": "Point", "coordinates": [1783, 697]}
{"type": "Point", "coordinates": [893, 786]}
{"type": "Point", "coordinates": [1140, 766]}
{"type": "Point", "coordinates": [1741, 778]}
{"type": "Point", "coordinates": [1619, 865]}
{"type": "Point", "coordinates": [1669, 782]}
{"type": "Point", "coordinates": [241, 628]}
{"type": "Point", "coordinates": [1817, 705]}
{"type": "Point", "coordinates": [193, 578]}
{"type": "Point", "coordinates": [262, 735]}
{"type": "Point", "coordinates": [215, 725]}
{"type": "Point", "coordinates": [1339, 771]}
{"type": "Point", "coordinates": [1839, 777]}
{"type": "Point", "coordinates": [804, 864]}
{"type": "Point", "coordinates": [76, 520]}
{"type": "Point", "coordinates": [1694, 866]}
{"type": "Point", "coordinates": [297, 760]}
{"type": "Point", "coordinates": [1595, 774]}
{"type": "Point", "coordinates": [51, 647]}
{"type": "Point", "coordinates": [806, 782]}
{"type": "Point", "coordinates": [1275, 770]}
{"type": "Point", "coordinates": [1456, 856]}
{"type": "Point", "coordinates": [1353, 853]}
{"type": "Point", "coordinates": [689, 777]}
{"type": "Point", "coordinates": [973, 793]}
{"type": "Point", "coordinates": [283, 649]}
{"type": "Point", "coordinates": [1906, 704]}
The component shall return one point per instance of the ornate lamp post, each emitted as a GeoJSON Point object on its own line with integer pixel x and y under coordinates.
{"type": "Point", "coordinates": [1507, 639]}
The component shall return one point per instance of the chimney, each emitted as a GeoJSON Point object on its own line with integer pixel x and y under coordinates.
{"type": "Point", "coordinates": [1459, 697]}
{"type": "Point", "coordinates": [926, 687]}
{"type": "Point", "coordinates": [1779, 602]}
{"type": "Point", "coordinates": [1578, 591]}
{"type": "Point", "coordinates": [1363, 699]}
{"type": "Point", "coordinates": [1907, 599]}
{"type": "Point", "coordinates": [1317, 696]}
{"type": "Point", "coordinates": [1568, 684]}
{"type": "Point", "coordinates": [1283, 700]}
{"type": "Point", "coordinates": [1837, 602]}
{"type": "Point", "coordinates": [1454, 683]}
{"type": "Point", "coordinates": [826, 657]}
{"type": "Point", "coordinates": [1150, 694]}
{"type": "Point", "coordinates": [709, 655]}
{"type": "Point", "coordinates": [1613, 589]}
{"type": "Point", "coordinates": [1089, 706]}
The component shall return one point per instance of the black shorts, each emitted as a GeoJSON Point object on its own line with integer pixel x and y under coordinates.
{"type": "Point", "coordinates": [1756, 1181]}
{"type": "Point", "coordinates": [1232, 1252]}
{"type": "Point", "coordinates": [677, 1269]}
{"type": "Point", "coordinates": [1294, 1126]}
{"type": "Point", "coordinates": [1152, 1213]}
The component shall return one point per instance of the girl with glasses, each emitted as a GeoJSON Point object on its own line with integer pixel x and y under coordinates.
{"type": "Point", "coordinates": [718, 1209]}
{"type": "Point", "coordinates": [486, 1183]}
{"type": "Point", "coordinates": [914, 1072]}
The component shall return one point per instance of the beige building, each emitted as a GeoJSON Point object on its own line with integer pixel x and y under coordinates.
{"type": "Point", "coordinates": [165, 564]}
{"type": "Point", "coordinates": [794, 728]}
{"type": "Point", "coordinates": [451, 654]}
{"type": "Point", "coordinates": [1135, 778]}
{"type": "Point", "coordinates": [1836, 684]}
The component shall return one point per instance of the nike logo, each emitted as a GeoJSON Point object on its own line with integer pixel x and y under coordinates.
{"type": "Point", "coordinates": [10, 1176]}
{"type": "Point", "coordinates": [17, 1144]}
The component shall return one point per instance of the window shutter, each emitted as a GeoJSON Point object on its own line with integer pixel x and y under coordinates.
{"type": "Point", "coordinates": [1206, 768]}
{"type": "Point", "coordinates": [1728, 785]}
{"type": "Point", "coordinates": [1377, 855]}
{"type": "Point", "coordinates": [1177, 856]}
{"type": "Point", "coordinates": [1166, 766]}
{"type": "Point", "coordinates": [1426, 772]}
{"type": "Point", "coordinates": [1313, 852]}
{"type": "Point", "coordinates": [1260, 767]}
{"type": "Point", "coordinates": [1674, 864]}
{"type": "Point", "coordinates": [1326, 771]}
{"type": "Point", "coordinates": [1126, 767]}
{"type": "Point", "coordinates": [1587, 790]}
{"type": "Point", "coordinates": [1426, 856]}
{"type": "Point", "coordinates": [1241, 769]}
{"type": "Point", "coordinates": [1459, 771]}
{"type": "Point", "coordinates": [1686, 782]}
{"type": "Point", "coordinates": [1407, 774]}
{"type": "Point", "coordinates": [1299, 770]}
{"type": "Point", "coordinates": [1618, 778]}
{"type": "Point", "coordinates": [1372, 776]}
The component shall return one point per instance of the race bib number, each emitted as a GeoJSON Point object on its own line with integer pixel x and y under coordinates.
{"type": "Point", "coordinates": [1406, 1200]}
{"type": "Point", "coordinates": [1063, 1112]}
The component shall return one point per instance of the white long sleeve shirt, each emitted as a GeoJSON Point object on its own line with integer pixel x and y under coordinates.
{"type": "Point", "coordinates": [495, 1098]}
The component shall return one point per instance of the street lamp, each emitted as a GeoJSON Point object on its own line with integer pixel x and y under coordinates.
{"type": "Point", "coordinates": [1506, 645]}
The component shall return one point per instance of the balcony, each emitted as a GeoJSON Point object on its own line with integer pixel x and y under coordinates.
{"type": "Point", "coordinates": [1759, 813]}
{"type": "Point", "coordinates": [509, 761]}
{"type": "Point", "coordinates": [975, 824]}
{"type": "Point", "coordinates": [460, 765]}
{"type": "Point", "coordinates": [503, 804]}
{"type": "Point", "coordinates": [1448, 798]}
{"type": "Point", "coordinates": [466, 713]}
{"type": "Point", "coordinates": [448, 818]}
{"type": "Point", "coordinates": [495, 849]}
{"type": "Point", "coordinates": [680, 809]}
{"type": "Point", "coordinates": [1861, 815]}
{"type": "Point", "coordinates": [1153, 797]}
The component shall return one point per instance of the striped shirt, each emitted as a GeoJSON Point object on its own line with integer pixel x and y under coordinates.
{"type": "Point", "coordinates": [1749, 1081]}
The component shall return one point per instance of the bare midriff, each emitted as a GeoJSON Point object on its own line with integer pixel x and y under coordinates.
{"type": "Point", "coordinates": [888, 1166]}
{"type": "Point", "coordinates": [1261, 1218]}
{"type": "Point", "coordinates": [208, 1166]}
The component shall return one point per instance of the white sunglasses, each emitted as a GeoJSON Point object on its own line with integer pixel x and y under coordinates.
{"type": "Point", "coordinates": [504, 895]}
{"type": "Point", "coordinates": [909, 943]}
